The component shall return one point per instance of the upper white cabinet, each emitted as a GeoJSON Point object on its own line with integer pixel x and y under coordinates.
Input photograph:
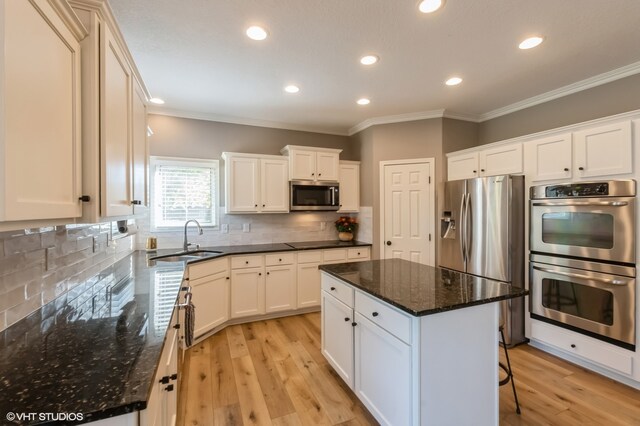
{"type": "Point", "coordinates": [256, 183]}
{"type": "Point", "coordinates": [605, 150]}
{"type": "Point", "coordinates": [501, 160]}
{"type": "Point", "coordinates": [113, 97]}
{"type": "Point", "coordinates": [548, 158]}
{"type": "Point", "coordinates": [40, 105]}
{"type": "Point", "coordinates": [349, 186]}
{"type": "Point", "coordinates": [316, 164]}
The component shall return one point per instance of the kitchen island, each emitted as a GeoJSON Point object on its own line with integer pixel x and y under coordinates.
{"type": "Point", "coordinates": [417, 344]}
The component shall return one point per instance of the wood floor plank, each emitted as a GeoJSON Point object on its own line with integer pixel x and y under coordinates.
{"type": "Point", "coordinates": [229, 415]}
{"type": "Point", "coordinates": [252, 404]}
{"type": "Point", "coordinates": [198, 408]}
{"type": "Point", "coordinates": [223, 383]}
{"type": "Point", "coordinates": [295, 328]}
{"type": "Point", "coordinates": [275, 395]}
{"type": "Point", "coordinates": [237, 343]}
{"type": "Point", "coordinates": [288, 420]}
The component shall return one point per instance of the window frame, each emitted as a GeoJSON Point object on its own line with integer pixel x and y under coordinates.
{"type": "Point", "coordinates": [158, 160]}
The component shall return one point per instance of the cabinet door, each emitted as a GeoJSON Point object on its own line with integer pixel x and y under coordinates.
{"type": "Point", "coordinates": [40, 116]}
{"type": "Point", "coordinates": [463, 166]}
{"type": "Point", "coordinates": [274, 185]}
{"type": "Point", "coordinates": [302, 165]}
{"type": "Point", "coordinates": [548, 158]}
{"type": "Point", "coordinates": [247, 292]}
{"type": "Point", "coordinates": [382, 362]}
{"type": "Point", "coordinates": [140, 152]}
{"type": "Point", "coordinates": [349, 188]}
{"type": "Point", "coordinates": [280, 288]}
{"type": "Point", "coordinates": [211, 299]}
{"type": "Point", "coordinates": [115, 128]}
{"type": "Point", "coordinates": [502, 160]}
{"type": "Point", "coordinates": [308, 285]}
{"type": "Point", "coordinates": [604, 151]}
{"type": "Point", "coordinates": [242, 184]}
{"type": "Point", "coordinates": [337, 336]}
{"type": "Point", "coordinates": [327, 166]}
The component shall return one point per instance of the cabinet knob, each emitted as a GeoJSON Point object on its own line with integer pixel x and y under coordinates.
{"type": "Point", "coordinates": [263, 205]}
{"type": "Point", "coordinates": [475, 171]}
{"type": "Point", "coordinates": [246, 262]}
{"type": "Point", "coordinates": [227, 277]}
{"type": "Point", "coordinates": [347, 319]}
{"type": "Point", "coordinates": [566, 169]}
{"type": "Point", "coordinates": [174, 376]}
{"type": "Point", "coordinates": [580, 168]}
{"type": "Point", "coordinates": [573, 345]}
{"type": "Point", "coordinates": [260, 273]}
{"type": "Point", "coordinates": [358, 253]}
{"type": "Point", "coordinates": [136, 202]}
{"type": "Point", "coordinates": [255, 205]}
{"type": "Point", "coordinates": [319, 174]}
{"type": "Point", "coordinates": [353, 324]}
{"type": "Point", "coordinates": [332, 288]}
{"type": "Point", "coordinates": [84, 198]}
{"type": "Point", "coordinates": [169, 388]}
{"type": "Point", "coordinates": [313, 174]}
{"type": "Point", "coordinates": [482, 170]}
{"type": "Point", "coordinates": [375, 314]}
{"type": "Point", "coordinates": [268, 273]}
{"type": "Point", "coordinates": [164, 380]}
{"type": "Point", "coordinates": [279, 260]}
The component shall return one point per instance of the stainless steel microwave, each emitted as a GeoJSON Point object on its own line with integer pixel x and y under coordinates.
{"type": "Point", "coordinates": [313, 196]}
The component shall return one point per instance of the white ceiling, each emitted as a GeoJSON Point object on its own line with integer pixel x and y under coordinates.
{"type": "Point", "coordinates": [194, 54]}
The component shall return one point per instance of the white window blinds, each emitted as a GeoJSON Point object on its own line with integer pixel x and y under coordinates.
{"type": "Point", "coordinates": [184, 189]}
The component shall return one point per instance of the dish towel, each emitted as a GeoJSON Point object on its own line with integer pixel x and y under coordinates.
{"type": "Point", "coordinates": [189, 322]}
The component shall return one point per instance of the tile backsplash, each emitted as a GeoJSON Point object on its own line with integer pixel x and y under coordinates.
{"type": "Point", "coordinates": [38, 265]}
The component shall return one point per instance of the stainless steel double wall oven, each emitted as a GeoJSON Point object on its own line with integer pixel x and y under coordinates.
{"type": "Point", "coordinates": [583, 257]}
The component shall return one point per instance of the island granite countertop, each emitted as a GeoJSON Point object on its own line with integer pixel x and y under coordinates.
{"type": "Point", "coordinates": [421, 289]}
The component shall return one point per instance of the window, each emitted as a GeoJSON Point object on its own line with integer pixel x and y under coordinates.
{"type": "Point", "coordinates": [183, 189]}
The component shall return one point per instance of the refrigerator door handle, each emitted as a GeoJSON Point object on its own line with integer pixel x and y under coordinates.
{"type": "Point", "coordinates": [462, 229]}
{"type": "Point", "coordinates": [468, 228]}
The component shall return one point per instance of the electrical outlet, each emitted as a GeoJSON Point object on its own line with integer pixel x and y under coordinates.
{"type": "Point", "coordinates": [323, 226]}
{"type": "Point", "coordinates": [224, 228]}
{"type": "Point", "coordinates": [246, 227]}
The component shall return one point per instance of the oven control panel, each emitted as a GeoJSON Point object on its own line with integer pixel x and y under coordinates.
{"type": "Point", "coordinates": [593, 189]}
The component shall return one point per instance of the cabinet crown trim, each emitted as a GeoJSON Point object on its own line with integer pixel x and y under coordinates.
{"type": "Point", "coordinates": [286, 149]}
{"type": "Point", "coordinates": [225, 155]}
{"type": "Point", "coordinates": [70, 19]}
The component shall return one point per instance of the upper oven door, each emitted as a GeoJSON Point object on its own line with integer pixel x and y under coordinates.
{"type": "Point", "coordinates": [314, 196]}
{"type": "Point", "coordinates": [592, 228]}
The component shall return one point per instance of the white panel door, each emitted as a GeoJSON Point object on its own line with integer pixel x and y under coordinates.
{"type": "Point", "coordinates": [115, 103]}
{"type": "Point", "coordinates": [40, 114]}
{"type": "Point", "coordinates": [303, 165]}
{"type": "Point", "coordinates": [211, 299]}
{"type": "Point", "coordinates": [548, 158]}
{"type": "Point", "coordinates": [140, 152]}
{"type": "Point", "coordinates": [247, 292]}
{"type": "Point", "coordinates": [502, 160]}
{"type": "Point", "coordinates": [407, 212]}
{"type": "Point", "coordinates": [349, 187]}
{"type": "Point", "coordinates": [327, 166]}
{"type": "Point", "coordinates": [463, 166]}
{"type": "Point", "coordinates": [603, 151]}
{"type": "Point", "coordinates": [274, 185]}
{"type": "Point", "coordinates": [280, 288]}
{"type": "Point", "coordinates": [337, 336]}
{"type": "Point", "coordinates": [308, 285]}
{"type": "Point", "coordinates": [242, 184]}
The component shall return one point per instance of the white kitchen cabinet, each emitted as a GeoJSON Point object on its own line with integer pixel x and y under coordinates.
{"type": "Point", "coordinates": [40, 114]}
{"type": "Point", "coordinates": [337, 336]}
{"type": "Point", "coordinates": [548, 158]}
{"type": "Point", "coordinates": [211, 299]}
{"type": "Point", "coordinates": [349, 187]}
{"type": "Point", "coordinates": [462, 166]}
{"type": "Point", "coordinates": [603, 151]}
{"type": "Point", "coordinates": [280, 288]}
{"type": "Point", "coordinates": [140, 152]}
{"type": "Point", "coordinates": [315, 164]}
{"type": "Point", "coordinates": [256, 183]}
{"type": "Point", "coordinates": [308, 284]}
{"type": "Point", "coordinates": [501, 160]}
{"type": "Point", "coordinates": [383, 362]}
{"type": "Point", "coordinates": [111, 120]}
{"type": "Point", "coordinates": [247, 292]}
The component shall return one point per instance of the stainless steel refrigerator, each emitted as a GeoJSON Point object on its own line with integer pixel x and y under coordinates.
{"type": "Point", "coordinates": [482, 233]}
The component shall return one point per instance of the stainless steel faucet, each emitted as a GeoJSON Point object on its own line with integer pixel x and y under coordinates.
{"type": "Point", "coordinates": [186, 244]}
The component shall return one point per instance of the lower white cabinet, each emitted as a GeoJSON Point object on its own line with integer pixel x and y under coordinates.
{"type": "Point", "coordinates": [337, 336]}
{"type": "Point", "coordinates": [383, 377]}
{"type": "Point", "coordinates": [247, 292]}
{"type": "Point", "coordinates": [308, 285]}
{"type": "Point", "coordinates": [280, 288]}
{"type": "Point", "coordinates": [211, 299]}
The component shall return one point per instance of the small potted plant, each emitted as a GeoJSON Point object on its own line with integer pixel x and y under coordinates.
{"type": "Point", "coordinates": [346, 227]}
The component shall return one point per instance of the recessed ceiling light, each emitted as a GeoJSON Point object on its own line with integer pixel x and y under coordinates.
{"type": "Point", "coordinates": [363, 101]}
{"type": "Point", "coordinates": [531, 42]}
{"type": "Point", "coordinates": [453, 81]}
{"type": "Point", "coordinates": [429, 6]}
{"type": "Point", "coordinates": [256, 33]}
{"type": "Point", "coordinates": [292, 89]}
{"type": "Point", "coordinates": [369, 60]}
{"type": "Point", "coordinates": [156, 101]}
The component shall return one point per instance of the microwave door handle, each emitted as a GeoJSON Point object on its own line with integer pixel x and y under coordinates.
{"type": "Point", "coordinates": [586, 277]}
{"type": "Point", "coordinates": [581, 203]}
{"type": "Point", "coordinates": [333, 196]}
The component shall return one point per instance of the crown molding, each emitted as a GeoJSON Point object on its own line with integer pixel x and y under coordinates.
{"type": "Point", "coordinates": [399, 118]}
{"type": "Point", "coordinates": [64, 10]}
{"type": "Point", "coordinates": [474, 118]}
{"type": "Point", "coordinates": [578, 86]}
{"type": "Point", "coordinates": [243, 121]}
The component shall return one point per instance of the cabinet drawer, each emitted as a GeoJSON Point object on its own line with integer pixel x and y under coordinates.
{"type": "Point", "coordinates": [385, 316]}
{"type": "Point", "coordinates": [334, 255]}
{"type": "Point", "coordinates": [341, 291]}
{"type": "Point", "coordinates": [202, 269]}
{"type": "Point", "coordinates": [279, 259]}
{"type": "Point", "coordinates": [310, 257]}
{"type": "Point", "coordinates": [358, 253]}
{"type": "Point", "coordinates": [239, 262]}
{"type": "Point", "coordinates": [584, 347]}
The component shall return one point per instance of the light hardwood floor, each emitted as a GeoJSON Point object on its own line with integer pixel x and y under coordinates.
{"type": "Point", "coordinates": [272, 373]}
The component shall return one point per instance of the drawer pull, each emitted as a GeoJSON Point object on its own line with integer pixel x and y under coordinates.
{"type": "Point", "coordinates": [332, 288]}
{"type": "Point", "coordinates": [375, 314]}
{"type": "Point", "coordinates": [566, 169]}
{"type": "Point", "coordinates": [279, 260]}
{"type": "Point", "coordinates": [246, 262]}
{"type": "Point", "coordinates": [260, 274]}
{"type": "Point", "coordinates": [358, 253]}
{"type": "Point", "coordinates": [573, 345]}
{"type": "Point", "coordinates": [347, 319]}
{"type": "Point", "coordinates": [227, 277]}
{"type": "Point", "coordinates": [268, 273]}
{"type": "Point", "coordinates": [353, 324]}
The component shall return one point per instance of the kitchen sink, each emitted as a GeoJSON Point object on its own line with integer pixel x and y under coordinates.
{"type": "Point", "coordinates": [184, 256]}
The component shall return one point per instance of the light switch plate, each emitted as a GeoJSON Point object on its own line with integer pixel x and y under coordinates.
{"type": "Point", "coordinates": [224, 228]}
{"type": "Point", "coordinates": [246, 227]}
{"type": "Point", "coordinates": [323, 226]}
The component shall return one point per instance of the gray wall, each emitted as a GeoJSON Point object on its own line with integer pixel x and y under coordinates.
{"type": "Point", "coordinates": [608, 99]}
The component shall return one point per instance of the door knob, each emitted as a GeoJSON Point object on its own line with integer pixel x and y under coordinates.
{"type": "Point", "coordinates": [388, 243]}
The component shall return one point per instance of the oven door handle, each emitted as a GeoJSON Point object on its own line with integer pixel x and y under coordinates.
{"type": "Point", "coordinates": [581, 203]}
{"type": "Point", "coordinates": [586, 277]}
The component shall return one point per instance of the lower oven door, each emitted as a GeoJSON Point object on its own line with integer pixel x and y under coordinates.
{"type": "Point", "coordinates": [598, 304]}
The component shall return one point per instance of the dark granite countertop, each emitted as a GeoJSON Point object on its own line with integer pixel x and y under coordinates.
{"type": "Point", "coordinates": [420, 289]}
